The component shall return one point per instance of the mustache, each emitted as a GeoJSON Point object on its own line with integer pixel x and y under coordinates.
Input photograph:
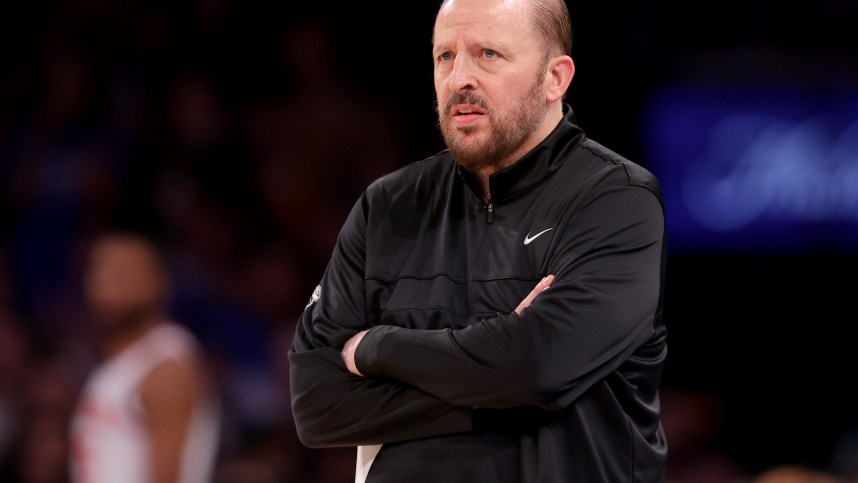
{"type": "Point", "coordinates": [466, 97]}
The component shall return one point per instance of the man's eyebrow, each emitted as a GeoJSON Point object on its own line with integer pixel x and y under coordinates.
{"type": "Point", "coordinates": [438, 48]}
{"type": "Point", "coordinates": [484, 44]}
{"type": "Point", "coordinates": [492, 45]}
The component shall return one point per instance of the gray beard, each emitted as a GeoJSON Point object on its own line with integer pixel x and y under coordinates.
{"type": "Point", "coordinates": [509, 129]}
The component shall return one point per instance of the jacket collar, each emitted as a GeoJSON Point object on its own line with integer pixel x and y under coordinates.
{"type": "Point", "coordinates": [541, 162]}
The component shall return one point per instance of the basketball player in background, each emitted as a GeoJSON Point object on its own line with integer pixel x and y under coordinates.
{"type": "Point", "coordinates": [147, 413]}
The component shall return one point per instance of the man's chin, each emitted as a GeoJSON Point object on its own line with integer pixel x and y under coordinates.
{"type": "Point", "coordinates": [108, 318]}
{"type": "Point", "coordinates": [118, 317]}
{"type": "Point", "coordinates": [472, 162]}
{"type": "Point", "coordinates": [469, 149]}
{"type": "Point", "coordinates": [461, 133]}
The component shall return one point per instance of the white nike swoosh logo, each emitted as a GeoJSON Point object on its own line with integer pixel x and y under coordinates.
{"type": "Point", "coordinates": [529, 238]}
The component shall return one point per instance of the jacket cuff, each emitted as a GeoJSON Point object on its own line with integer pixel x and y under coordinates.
{"type": "Point", "coordinates": [368, 354]}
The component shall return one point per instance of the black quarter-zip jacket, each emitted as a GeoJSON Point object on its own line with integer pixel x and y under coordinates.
{"type": "Point", "coordinates": [460, 388]}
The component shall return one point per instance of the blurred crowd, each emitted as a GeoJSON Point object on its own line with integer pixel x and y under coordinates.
{"type": "Point", "coordinates": [120, 115]}
{"type": "Point", "coordinates": [241, 158]}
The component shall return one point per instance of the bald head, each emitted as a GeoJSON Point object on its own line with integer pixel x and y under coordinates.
{"type": "Point", "coordinates": [549, 20]}
{"type": "Point", "coordinates": [124, 278]}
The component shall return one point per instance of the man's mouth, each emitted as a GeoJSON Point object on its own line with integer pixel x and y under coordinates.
{"type": "Point", "coordinates": [467, 111]}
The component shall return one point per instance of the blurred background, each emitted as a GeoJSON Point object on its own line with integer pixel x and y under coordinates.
{"type": "Point", "coordinates": [240, 133]}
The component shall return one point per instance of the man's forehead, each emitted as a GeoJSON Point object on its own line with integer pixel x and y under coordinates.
{"type": "Point", "coordinates": [490, 20]}
{"type": "Point", "coordinates": [447, 5]}
{"type": "Point", "coordinates": [482, 11]}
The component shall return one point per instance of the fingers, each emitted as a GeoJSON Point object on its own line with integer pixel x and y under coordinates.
{"type": "Point", "coordinates": [348, 352]}
{"type": "Point", "coordinates": [542, 285]}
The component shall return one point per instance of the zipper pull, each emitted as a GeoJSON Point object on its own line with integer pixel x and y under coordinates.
{"type": "Point", "coordinates": [490, 212]}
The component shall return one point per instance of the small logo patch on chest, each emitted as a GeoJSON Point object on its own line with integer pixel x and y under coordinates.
{"type": "Point", "coordinates": [529, 238]}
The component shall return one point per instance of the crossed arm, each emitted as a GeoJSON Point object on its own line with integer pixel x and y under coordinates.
{"type": "Point", "coordinates": [423, 383]}
{"type": "Point", "coordinates": [348, 352]}
{"type": "Point", "coordinates": [334, 406]}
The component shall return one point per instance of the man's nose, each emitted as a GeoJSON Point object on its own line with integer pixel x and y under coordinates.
{"type": "Point", "coordinates": [462, 76]}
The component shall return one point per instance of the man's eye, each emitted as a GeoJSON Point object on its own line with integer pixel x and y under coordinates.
{"type": "Point", "coordinates": [445, 56]}
{"type": "Point", "coordinates": [490, 54]}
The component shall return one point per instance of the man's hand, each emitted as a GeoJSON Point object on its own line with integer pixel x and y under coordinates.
{"type": "Point", "coordinates": [348, 352]}
{"type": "Point", "coordinates": [542, 285]}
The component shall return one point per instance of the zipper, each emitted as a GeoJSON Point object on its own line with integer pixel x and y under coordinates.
{"type": "Point", "coordinates": [490, 212]}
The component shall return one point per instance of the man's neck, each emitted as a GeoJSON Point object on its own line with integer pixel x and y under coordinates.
{"type": "Point", "coordinates": [482, 176]}
{"type": "Point", "coordinates": [482, 181]}
{"type": "Point", "coordinates": [119, 338]}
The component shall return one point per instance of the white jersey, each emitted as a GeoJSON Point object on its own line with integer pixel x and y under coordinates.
{"type": "Point", "coordinates": [108, 437]}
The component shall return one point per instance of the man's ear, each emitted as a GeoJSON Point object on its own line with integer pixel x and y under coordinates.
{"type": "Point", "coordinates": [560, 71]}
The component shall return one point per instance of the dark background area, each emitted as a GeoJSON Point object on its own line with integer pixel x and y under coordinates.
{"type": "Point", "coordinates": [240, 133]}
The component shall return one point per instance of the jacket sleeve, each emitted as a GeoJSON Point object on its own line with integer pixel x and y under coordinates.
{"type": "Point", "coordinates": [332, 407]}
{"type": "Point", "coordinates": [599, 309]}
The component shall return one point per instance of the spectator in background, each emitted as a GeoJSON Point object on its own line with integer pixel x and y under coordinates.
{"type": "Point", "coordinates": [48, 397]}
{"type": "Point", "coordinates": [14, 355]}
{"type": "Point", "coordinates": [306, 183]}
{"type": "Point", "coordinates": [692, 421]}
{"type": "Point", "coordinates": [798, 474]}
{"type": "Point", "coordinates": [147, 413]}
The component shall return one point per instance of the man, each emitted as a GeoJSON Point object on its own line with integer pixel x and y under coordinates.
{"type": "Point", "coordinates": [147, 413]}
{"type": "Point", "coordinates": [494, 313]}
